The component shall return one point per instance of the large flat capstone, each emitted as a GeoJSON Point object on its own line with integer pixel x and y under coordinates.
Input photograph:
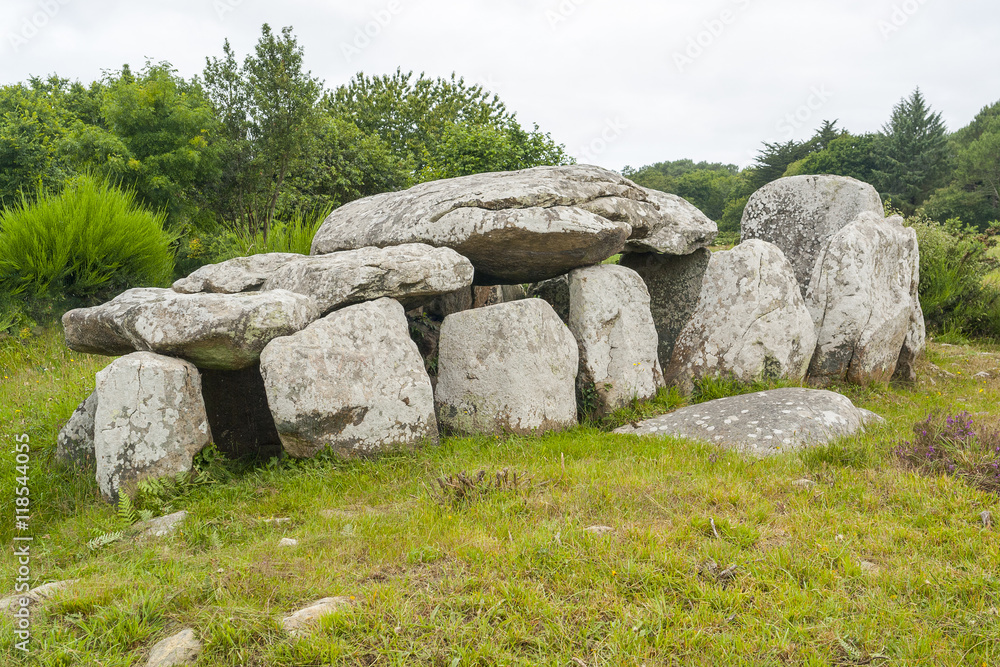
{"type": "Point", "coordinates": [764, 423]}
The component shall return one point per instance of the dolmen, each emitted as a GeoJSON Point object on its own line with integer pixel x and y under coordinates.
{"type": "Point", "coordinates": [486, 305]}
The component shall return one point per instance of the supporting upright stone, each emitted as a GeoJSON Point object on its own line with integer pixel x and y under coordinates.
{"type": "Point", "coordinates": [150, 420]}
{"type": "Point", "coordinates": [352, 382]}
{"type": "Point", "coordinates": [509, 368]}
{"type": "Point", "coordinates": [75, 444]}
{"type": "Point", "coordinates": [609, 316]}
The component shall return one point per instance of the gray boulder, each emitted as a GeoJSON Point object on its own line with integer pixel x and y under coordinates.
{"type": "Point", "coordinates": [150, 420]}
{"type": "Point", "coordinates": [554, 291]}
{"type": "Point", "coordinates": [678, 228]}
{"type": "Point", "coordinates": [75, 444]}
{"type": "Point", "coordinates": [413, 274]}
{"type": "Point", "coordinates": [352, 382]}
{"type": "Point", "coordinates": [800, 213]}
{"type": "Point", "coordinates": [240, 274]}
{"type": "Point", "coordinates": [751, 322]}
{"type": "Point", "coordinates": [862, 297]}
{"type": "Point", "coordinates": [219, 331]}
{"type": "Point", "coordinates": [674, 284]}
{"type": "Point", "coordinates": [509, 368]}
{"type": "Point", "coordinates": [767, 422]}
{"type": "Point", "coordinates": [515, 227]}
{"type": "Point", "coordinates": [305, 620]}
{"type": "Point", "coordinates": [182, 648]}
{"type": "Point", "coordinates": [610, 318]}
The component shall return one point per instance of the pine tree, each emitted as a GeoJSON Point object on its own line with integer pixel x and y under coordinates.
{"type": "Point", "coordinates": [915, 158]}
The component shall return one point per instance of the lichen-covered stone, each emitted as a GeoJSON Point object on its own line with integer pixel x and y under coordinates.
{"type": "Point", "coordinates": [766, 422]}
{"type": "Point", "coordinates": [150, 420]}
{"type": "Point", "coordinates": [509, 368]}
{"type": "Point", "coordinates": [609, 316]}
{"type": "Point", "coordinates": [413, 274]}
{"type": "Point", "coordinates": [305, 620]}
{"type": "Point", "coordinates": [678, 228]}
{"type": "Point", "coordinates": [75, 444]}
{"type": "Point", "coordinates": [352, 382]}
{"type": "Point", "coordinates": [751, 322]}
{"type": "Point", "coordinates": [674, 285]}
{"type": "Point", "coordinates": [219, 331]}
{"type": "Point", "coordinates": [863, 300]}
{"type": "Point", "coordinates": [240, 274]}
{"type": "Point", "coordinates": [800, 213]}
{"type": "Point", "coordinates": [180, 649]}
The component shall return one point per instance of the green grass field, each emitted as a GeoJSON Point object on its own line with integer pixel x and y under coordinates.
{"type": "Point", "coordinates": [874, 564]}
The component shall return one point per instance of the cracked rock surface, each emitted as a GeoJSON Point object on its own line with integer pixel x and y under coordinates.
{"type": "Point", "coordinates": [352, 382]}
{"type": "Point", "coordinates": [863, 299]}
{"type": "Point", "coordinates": [800, 213]}
{"type": "Point", "coordinates": [609, 316]}
{"type": "Point", "coordinates": [751, 322]}
{"type": "Point", "coordinates": [150, 419]}
{"type": "Point", "coordinates": [515, 227]}
{"type": "Point", "coordinates": [763, 423]}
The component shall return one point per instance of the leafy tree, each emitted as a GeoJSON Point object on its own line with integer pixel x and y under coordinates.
{"type": "Point", "coordinates": [474, 149]}
{"type": "Point", "coordinates": [268, 108]}
{"type": "Point", "coordinates": [846, 155]}
{"type": "Point", "coordinates": [31, 129]}
{"type": "Point", "coordinates": [914, 160]}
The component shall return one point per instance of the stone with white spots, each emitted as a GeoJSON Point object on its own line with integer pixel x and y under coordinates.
{"type": "Point", "coordinates": [750, 324]}
{"type": "Point", "coordinates": [763, 423]}
{"type": "Point", "coordinates": [75, 444]}
{"type": "Point", "coordinates": [150, 420]}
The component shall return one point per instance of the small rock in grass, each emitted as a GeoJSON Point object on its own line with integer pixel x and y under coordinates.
{"type": "Point", "coordinates": [983, 375]}
{"type": "Point", "coordinates": [181, 649]}
{"type": "Point", "coordinates": [38, 594]}
{"type": "Point", "coordinates": [277, 521]}
{"type": "Point", "coordinates": [598, 530]}
{"type": "Point", "coordinates": [162, 525]}
{"type": "Point", "coordinates": [305, 619]}
{"type": "Point", "coordinates": [288, 542]}
{"type": "Point", "coordinates": [868, 566]}
{"type": "Point", "coordinates": [987, 519]}
{"type": "Point", "coordinates": [803, 483]}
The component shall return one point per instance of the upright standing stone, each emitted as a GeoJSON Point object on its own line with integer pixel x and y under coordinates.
{"type": "Point", "coordinates": [674, 284]}
{"type": "Point", "coordinates": [610, 318]}
{"type": "Point", "coordinates": [150, 420]}
{"type": "Point", "coordinates": [800, 213]}
{"type": "Point", "coordinates": [75, 444]}
{"type": "Point", "coordinates": [862, 298]}
{"type": "Point", "coordinates": [751, 323]}
{"type": "Point", "coordinates": [509, 368]}
{"type": "Point", "coordinates": [352, 382]}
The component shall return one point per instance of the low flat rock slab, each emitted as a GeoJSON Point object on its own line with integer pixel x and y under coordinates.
{"type": "Point", "coordinates": [413, 274]}
{"type": "Point", "coordinates": [306, 620]}
{"type": "Point", "coordinates": [515, 227]}
{"type": "Point", "coordinates": [217, 331]}
{"type": "Point", "coordinates": [12, 603]}
{"type": "Point", "coordinates": [240, 274]}
{"type": "Point", "coordinates": [764, 423]}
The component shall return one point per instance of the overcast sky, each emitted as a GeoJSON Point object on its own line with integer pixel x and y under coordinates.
{"type": "Point", "coordinates": [624, 82]}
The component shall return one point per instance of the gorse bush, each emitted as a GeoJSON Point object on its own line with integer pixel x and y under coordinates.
{"type": "Point", "coordinates": [954, 293]}
{"type": "Point", "coordinates": [87, 243]}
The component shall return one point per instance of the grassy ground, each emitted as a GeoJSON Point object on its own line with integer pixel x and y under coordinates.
{"type": "Point", "coordinates": [872, 565]}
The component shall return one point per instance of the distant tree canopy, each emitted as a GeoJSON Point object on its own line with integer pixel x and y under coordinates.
{"type": "Point", "coordinates": [913, 163]}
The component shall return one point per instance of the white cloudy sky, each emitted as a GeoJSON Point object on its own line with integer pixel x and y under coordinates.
{"type": "Point", "coordinates": [618, 82]}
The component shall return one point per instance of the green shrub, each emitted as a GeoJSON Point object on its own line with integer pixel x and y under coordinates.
{"type": "Point", "coordinates": [87, 243]}
{"type": "Point", "coordinates": [955, 294]}
{"type": "Point", "coordinates": [293, 235]}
